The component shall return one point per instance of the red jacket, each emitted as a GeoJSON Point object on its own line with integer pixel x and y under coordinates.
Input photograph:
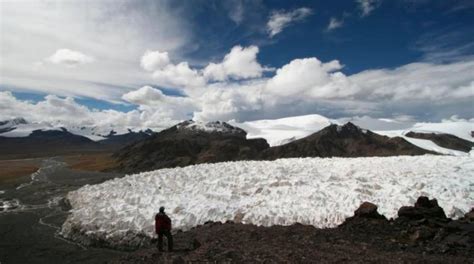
{"type": "Point", "coordinates": [162, 223]}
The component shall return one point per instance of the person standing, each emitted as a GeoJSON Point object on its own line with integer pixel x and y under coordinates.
{"type": "Point", "coordinates": [163, 227]}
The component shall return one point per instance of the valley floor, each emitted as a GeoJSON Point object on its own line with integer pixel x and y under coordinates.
{"type": "Point", "coordinates": [13, 169]}
{"type": "Point", "coordinates": [32, 212]}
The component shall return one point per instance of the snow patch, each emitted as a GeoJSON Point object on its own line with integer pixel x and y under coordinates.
{"type": "Point", "coordinates": [317, 191]}
{"type": "Point", "coordinates": [284, 130]}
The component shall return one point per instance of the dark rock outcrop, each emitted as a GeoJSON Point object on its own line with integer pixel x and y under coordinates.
{"type": "Point", "coordinates": [424, 208]}
{"type": "Point", "coordinates": [344, 141]}
{"type": "Point", "coordinates": [368, 210]}
{"type": "Point", "coordinates": [444, 140]}
{"type": "Point", "coordinates": [189, 143]}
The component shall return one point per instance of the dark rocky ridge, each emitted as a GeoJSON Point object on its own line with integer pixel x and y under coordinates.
{"type": "Point", "coordinates": [344, 141]}
{"type": "Point", "coordinates": [444, 140]}
{"type": "Point", "coordinates": [367, 237]}
{"type": "Point", "coordinates": [186, 144]}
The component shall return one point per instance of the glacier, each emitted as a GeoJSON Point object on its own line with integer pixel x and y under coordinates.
{"type": "Point", "coordinates": [316, 191]}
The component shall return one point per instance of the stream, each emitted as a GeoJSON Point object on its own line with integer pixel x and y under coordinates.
{"type": "Point", "coordinates": [32, 210]}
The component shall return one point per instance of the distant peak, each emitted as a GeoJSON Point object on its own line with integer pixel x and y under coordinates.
{"type": "Point", "coordinates": [213, 126]}
{"type": "Point", "coordinates": [13, 122]}
{"type": "Point", "coordinates": [19, 120]}
{"type": "Point", "coordinates": [349, 128]}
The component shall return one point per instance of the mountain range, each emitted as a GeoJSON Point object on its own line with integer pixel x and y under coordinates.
{"type": "Point", "coordinates": [193, 142]}
{"type": "Point", "coordinates": [22, 139]}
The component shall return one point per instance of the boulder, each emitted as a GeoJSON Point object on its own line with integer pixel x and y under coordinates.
{"type": "Point", "coordinates": [469, 216]}
{"type": "Point", "coordinates": [368, 210]}
{"type": "Point", "coordinates": [424, 208]}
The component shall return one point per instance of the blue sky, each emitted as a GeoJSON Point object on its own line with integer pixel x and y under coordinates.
{"type": "Point", "coordinates": [379, 58]}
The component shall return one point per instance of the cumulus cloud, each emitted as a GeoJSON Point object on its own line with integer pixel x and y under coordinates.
{"type": "Point", "coordinates": [70, 58]}
{"type": "Point", "coordinates": [235, 88]}
{"type": "Point", "coordinates": [334, 23]}
{"type": "Point", "coordinates": [154, 60]}
{"type": "Point", "coordinates": [281, 19]}
{"type": "Point", "coordinates": [157, 107]}
{"type": "Point", "coordinates": [239, 63]}
{"type": "Point", "coordinates": [367, 6]}
{"type": "Point", "coordinates": [310, 77]}
{"type": "Point", "coordinates": [144, 95]}
{"type": "Point", "coordinates": [178, 76]}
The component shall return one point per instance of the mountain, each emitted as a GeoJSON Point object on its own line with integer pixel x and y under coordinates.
{"type": "Point", "coordinates": [444, 140]}
{"type": "Point", "coordinates": [19, 127]}
{"type": "Point", "coordinates": [192, 142]}
{"type": "Point", "coordinates": [22, 139]}
{"type": "Point", "coordinates": [285, 130]}
{"type": "Point", "coordinates": [46, 143]}
{"type": "Point", "coordinates": [10, 125]}
{"type": "Point", "coordinates": [344, 141]}
{"type": "Point", "coordinates": [116, 141]}
{"type": "Point", "coordinates": [189, 143]}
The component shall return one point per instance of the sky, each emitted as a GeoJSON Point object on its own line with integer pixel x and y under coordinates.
{"type": "Point", "coordinates": [146, 63]}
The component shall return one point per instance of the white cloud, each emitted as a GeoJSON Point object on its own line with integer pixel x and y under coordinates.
{"type": "Point", "coordinates": [334, 23]}
{"type": "Point", "coordinates": [144, 95]}
{"type": "Point", "coordinates": [236, 12]}
{"type": "Point", "coordinates": [178, 76]}
{"type": "Point", "coordinates": [67, 112]}
{"type": "Point", "coordinates": [115, 34]}
{"type": "Point", "coordinates": [154, 60]}
{"type": "Point", "coordinates": [236, 88]}
{"type": "Point", "coordinates": [418, 81]}
{"type": "Point", "coordinates": [280, 19]}
{"type": "Point", "coordinates": [304, 86]}
{"type": "Point", "coordinates": [240, 63]}
{"type": "Point", "coordinates": [70, 58]}
{"type": "Point", "coordinates": [154, 103]}
{"type": "Point", "coordinates": [367, 6]}
{"type": "Point", "coordinates": [310, 77]}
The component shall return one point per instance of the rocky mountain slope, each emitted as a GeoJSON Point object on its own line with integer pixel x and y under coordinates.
{"type": "Point", "coordinates": [192, 143]}
{"type": "Point", "coordinates": [444, 140]}
{"type": "Point", "coordinates": [344, 141]}
{"type": "Point", "coordinates": [189, 143]}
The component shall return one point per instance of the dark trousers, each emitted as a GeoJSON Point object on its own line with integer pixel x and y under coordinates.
{"type": "Point", "coordinates": [168, 235]}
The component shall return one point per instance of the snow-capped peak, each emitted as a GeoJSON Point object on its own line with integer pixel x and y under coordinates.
{"type": "Point", "coordinates": [214, 126]}
{"type": "Point", "coordinates": [12, 122]}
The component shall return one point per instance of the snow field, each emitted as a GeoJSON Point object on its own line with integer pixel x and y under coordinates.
{"type": "Point", "coordinates": [316, 191]}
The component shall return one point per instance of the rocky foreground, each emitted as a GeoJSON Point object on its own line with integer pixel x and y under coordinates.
{"type": "Point", "coordinates": [421, 234]}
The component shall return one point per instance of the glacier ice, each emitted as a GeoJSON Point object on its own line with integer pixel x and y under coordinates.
{"type": "Point", "coordinates": [315, 191]}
